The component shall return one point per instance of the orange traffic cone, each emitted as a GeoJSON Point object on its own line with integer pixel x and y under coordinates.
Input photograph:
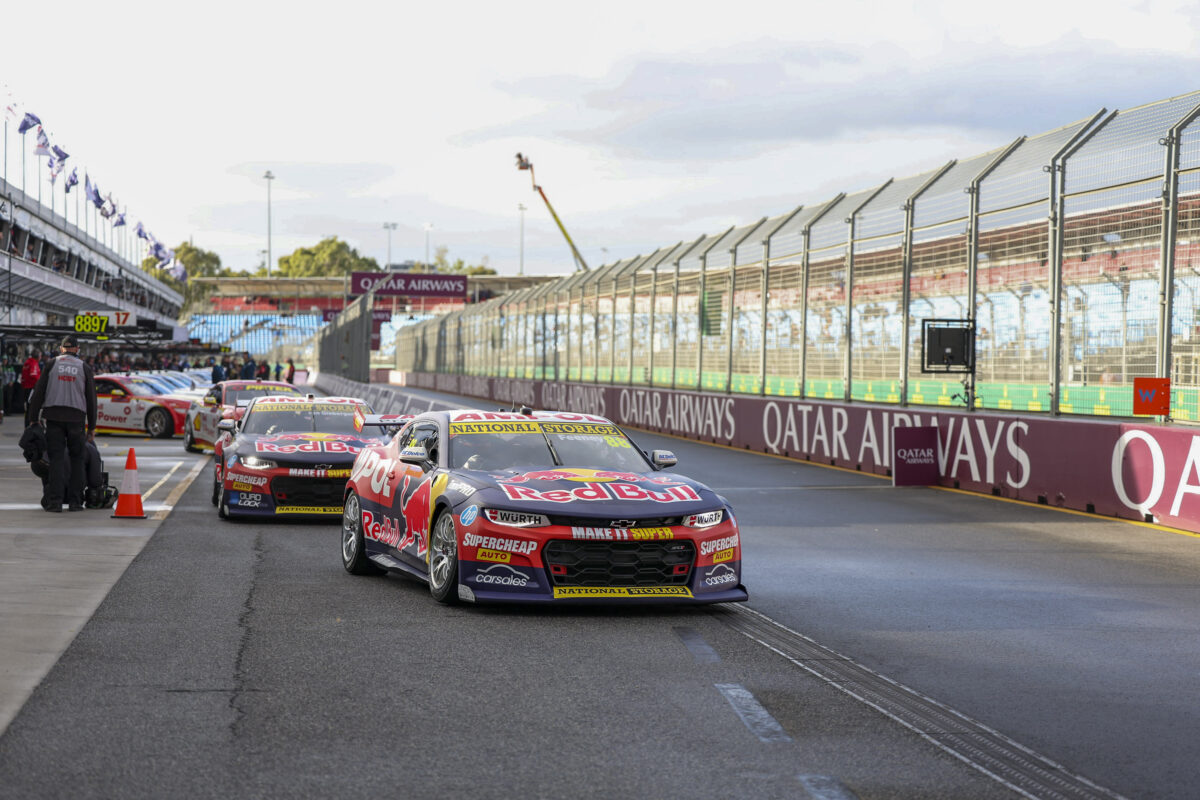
{"type": "Point", "coordinates": [129, 501]}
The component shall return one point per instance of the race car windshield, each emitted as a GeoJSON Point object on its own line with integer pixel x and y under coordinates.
{"type": "Point", "coordinates": [233, 395]}
{"type": "Point", "coordinates": [489, 446]}
{"type": "Point", "coordinates": [144, 388]}
{"type": "Point", "coordinates": [272, 418]}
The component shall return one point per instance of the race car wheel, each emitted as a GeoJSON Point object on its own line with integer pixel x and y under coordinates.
{"type": "Point", "coordinates": [354, 550]}
{"type": "Point", "coordinates": [189, 441]}
{"type": "Point", "coordinates": [443, 560]}
{"type": "Point", "coordinates": [222, 502]}
{"type": "Point", "coordinates": [158, 424]}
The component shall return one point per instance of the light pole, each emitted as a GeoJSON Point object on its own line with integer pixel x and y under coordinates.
{"type": "Point", "coordinates": [389, 227]}
{"type": "Point", "coordinates": [521, 268]}
{"type": "Point", "coordinates": [269, 177]}
{"type": "Point", "coordinates": [428, 226]}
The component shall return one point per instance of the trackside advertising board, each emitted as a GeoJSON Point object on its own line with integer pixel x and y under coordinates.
{"type": "Point", "coordinates": [914, 456]}
{"type": "Point", "coordinates": [408, 284]}
{"type": "Point", "coordinates": [1117, 468]}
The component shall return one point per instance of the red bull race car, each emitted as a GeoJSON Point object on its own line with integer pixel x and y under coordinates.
{"type": "Point", "coordinates": [536, 507]}
{"type": "Point", "coordinates": [287, 455]}
{"type": "Point", "coordinates": [221, 402]}
{"type": "Point", "coordinates": [138, 404]}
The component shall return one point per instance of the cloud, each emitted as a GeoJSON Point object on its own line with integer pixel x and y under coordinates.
{"type": "Point", "coordinates": [321, 178]}
{"type": "Point", "coordinates": [739, 104]}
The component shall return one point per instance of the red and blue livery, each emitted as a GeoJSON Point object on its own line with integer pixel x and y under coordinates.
{"type": "Point", "coordinates": [536, 507]}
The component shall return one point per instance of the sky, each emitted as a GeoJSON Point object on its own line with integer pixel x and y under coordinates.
{"type": "Point", "coordinates": [647, 122]}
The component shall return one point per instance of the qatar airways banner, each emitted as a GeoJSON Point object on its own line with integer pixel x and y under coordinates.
{"type": "Point", "coordinates": [1131, 470]}
{"type": "Point", "coordinates": [408, 284]}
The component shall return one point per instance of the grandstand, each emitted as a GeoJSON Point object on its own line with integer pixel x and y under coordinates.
{"type": "Point", "coordinates": [276, 316]}
{"type": "Point", "coordinates": [254, 333]}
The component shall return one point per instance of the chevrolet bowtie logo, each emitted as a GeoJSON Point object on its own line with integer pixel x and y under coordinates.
{"type": "Point", "coordinates": [622, 523]}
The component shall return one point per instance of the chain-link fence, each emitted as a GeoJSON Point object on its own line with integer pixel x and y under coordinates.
{"type": "Point", "coordinates": [1072, 251]}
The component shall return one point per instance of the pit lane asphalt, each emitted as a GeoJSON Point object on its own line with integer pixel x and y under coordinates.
{"type": "Point", "coordinates": [239, 660]}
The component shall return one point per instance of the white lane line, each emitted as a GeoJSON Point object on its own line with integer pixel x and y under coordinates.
{"type": "Point", "coordinates": [757, 719]}
{"type": "Point", "coordinates": [699, 648]}
{"type": "Point", "coordinates": [179, 489]}
{"type": "Point", "coordinates": [823, 787]}
{"type": "Point", "coordinates": [1005, 760]}
{"type": "Point", "coordinates": [146, 494]}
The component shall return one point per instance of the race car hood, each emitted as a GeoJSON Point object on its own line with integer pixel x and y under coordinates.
{"type": "Point", "coordinates": [307, 448]}
{"type": "Point", "coordinates": [590, 492]}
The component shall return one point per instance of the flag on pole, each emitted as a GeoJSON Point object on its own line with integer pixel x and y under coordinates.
{"type": "Point", "coordinates": [140, 231]}
{"type": "Point", "coordinates": [43, 143]}
{"type": "Point", "coordinates": [178, 270]}
{"type": "Point", "coordinates": [59, 153]}
{"type": "Point", "coordinates": [72, 180]}
{"type": "Point", "coordinates": [56, 167]}
{"type": "Point", "coordinates": [28, 122]}
{"type": "Point", "coordinates": [119, 221]}
{"type": "Point", "coordinates": [92, 191]}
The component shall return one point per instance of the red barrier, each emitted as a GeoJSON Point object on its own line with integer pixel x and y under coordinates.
{"type": "Point", "coordinates": [1130, 470]}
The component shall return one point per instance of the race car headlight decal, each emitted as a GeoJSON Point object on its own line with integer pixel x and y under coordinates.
{"type": "Point", "coordinates": [254, 462]}
{"type": "Point", "coordinates": [705, 520]}
{"type": "Point", "coordinates": [516, 519]}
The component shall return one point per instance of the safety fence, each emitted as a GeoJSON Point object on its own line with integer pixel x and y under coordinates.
{"type": "Point", "coordinates": [343, 346]}
{"type": "Point", "coordinates": [1076, 252]}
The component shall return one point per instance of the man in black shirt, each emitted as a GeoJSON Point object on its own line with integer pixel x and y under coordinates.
{"type": "Point", "coordinates": [65, 397]}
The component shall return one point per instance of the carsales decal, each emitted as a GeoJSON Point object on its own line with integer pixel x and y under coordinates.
{"type": "Point", "coordinates": [603, 491]}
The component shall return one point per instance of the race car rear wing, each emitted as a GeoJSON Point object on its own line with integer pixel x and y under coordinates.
{"type": "Point", "coordinates": [362, 420]}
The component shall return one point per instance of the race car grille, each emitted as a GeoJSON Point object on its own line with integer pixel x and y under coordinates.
{"type": "Point", "coordinates": [664, 563]}
{"type": "Point", "coordinates": [309, 491]}
{"type": "Point", "coordinates": [606, 522]}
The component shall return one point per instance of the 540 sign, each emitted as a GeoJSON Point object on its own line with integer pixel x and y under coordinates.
{"type": "Point", "coordinates": [103, 321]}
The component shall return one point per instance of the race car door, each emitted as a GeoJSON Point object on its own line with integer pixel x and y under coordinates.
{"type": "Point", "coordinates": [204, 426]}
{"type": "Point", "coordinates": [116, 408]}
{"type": "Point", "coordinates": [412, 490]}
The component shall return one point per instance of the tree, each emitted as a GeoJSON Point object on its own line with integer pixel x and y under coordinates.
{"type": "Point", "coordinates": [199, 263]}
{"type": "Point", "coordinates": [441, 263]}
{"type": "Point", "coordinates": [331, 257]}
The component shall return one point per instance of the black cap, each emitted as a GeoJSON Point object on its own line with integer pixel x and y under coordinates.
{"type": "Point", "coordinates": [69, 341]}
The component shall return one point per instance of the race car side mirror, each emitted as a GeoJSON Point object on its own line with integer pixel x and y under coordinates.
{"type": "Point", "coordinates": [662, 459]}
{"type": "Point", "coordinates": [227, 425]}
{"type": "Point", "coordinates": [414, 455]}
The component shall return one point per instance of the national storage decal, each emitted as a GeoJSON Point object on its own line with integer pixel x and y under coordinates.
{"type": "Point", "coordinates": [575, 592]}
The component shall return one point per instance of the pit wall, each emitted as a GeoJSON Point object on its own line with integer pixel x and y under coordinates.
{"type": "Point", "coordinates": [1123, 469]}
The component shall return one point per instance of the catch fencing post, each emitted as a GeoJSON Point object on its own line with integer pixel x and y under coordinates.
{"type": "Point", "coordinates": [906, 258]}
{"type": "Point", "coordinates": [806, 237]}
{"type": "Point", "coordinates": [850, 222]}
{"type": "Point", "coordinates": [675, 311]}
{"type": "Point", "coordinates": [1058, 185]}
{"type": "Point", "coordinates": [733, 263]}
{"type": "Point", "coordinates": [700, 309]}
{"type": "Point", "coordinates": [765, 287]}
{"type": "Point", "coordinates": [1170, 231]}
